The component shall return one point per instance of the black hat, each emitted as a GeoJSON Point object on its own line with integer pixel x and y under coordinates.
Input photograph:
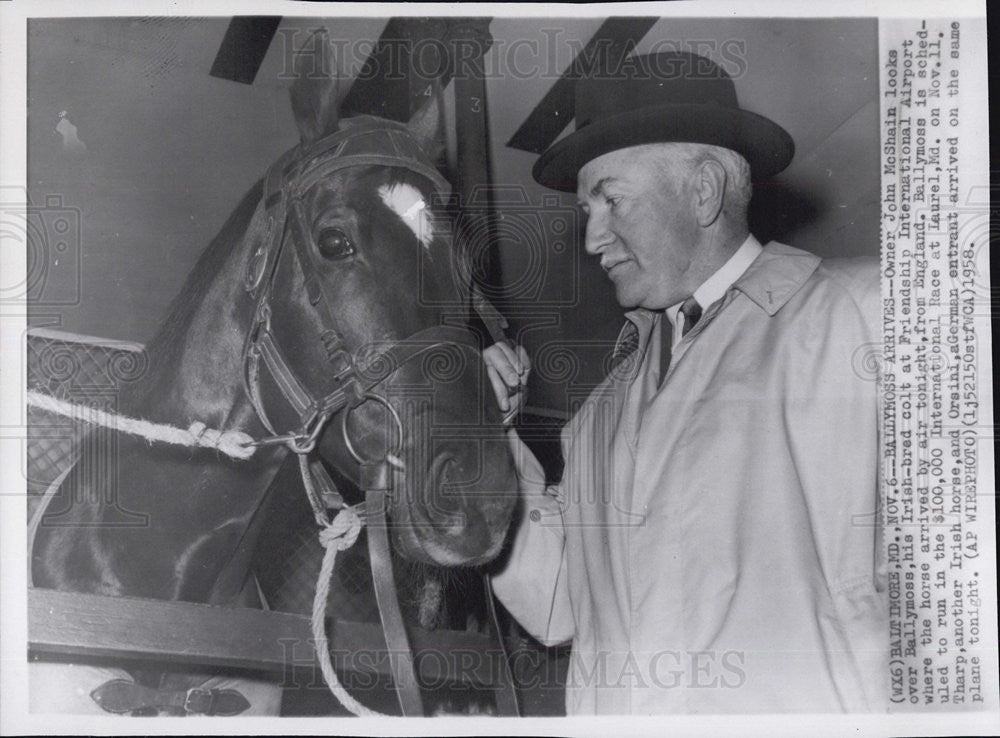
{"type": "Point", "coordinates": [673, 96]}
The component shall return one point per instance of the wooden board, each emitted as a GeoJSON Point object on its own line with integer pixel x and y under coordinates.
{"type": "Point", "coordinates": [64, 625]}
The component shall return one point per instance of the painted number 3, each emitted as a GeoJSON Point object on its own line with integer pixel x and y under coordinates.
{"type": "Point", "coordinates": [474, 104]}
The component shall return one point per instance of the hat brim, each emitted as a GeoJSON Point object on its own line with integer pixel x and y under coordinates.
{"type": "Point", "coordinates": [764, 144]}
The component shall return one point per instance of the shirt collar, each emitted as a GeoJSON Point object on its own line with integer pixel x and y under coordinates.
{"type": "Point", "coordinates": [773, 277]}
{"type": "Point", "coordinates": [714, 288]}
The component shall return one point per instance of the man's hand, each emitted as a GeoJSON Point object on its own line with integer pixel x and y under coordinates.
{"type": "Point", "coordinates": [508, 369]}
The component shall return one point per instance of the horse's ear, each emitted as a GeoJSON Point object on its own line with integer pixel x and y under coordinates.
{"type": "Point", "coordinates": [314, 91]}
{"type": "Point", "coordinates": [427, 124]}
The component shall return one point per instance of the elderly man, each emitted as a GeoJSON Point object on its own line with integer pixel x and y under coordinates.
{"type": "Point", "coordinates": [714, 544]}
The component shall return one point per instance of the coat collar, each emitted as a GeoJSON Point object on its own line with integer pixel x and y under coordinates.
{"type": "Point", "coordinates": [773, 278]}
{"type": "Point", "coordinates": [776, 275]}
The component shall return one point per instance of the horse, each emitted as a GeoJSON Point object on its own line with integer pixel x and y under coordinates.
{"type": "Point", "coordinates": [323, 319]}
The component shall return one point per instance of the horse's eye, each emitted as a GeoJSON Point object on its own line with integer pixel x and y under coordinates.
{"type": "Point", "coordinates": [335, 244]}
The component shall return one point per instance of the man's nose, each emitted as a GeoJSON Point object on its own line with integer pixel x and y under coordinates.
{"type": "Point", "coordinates": [597, 235]}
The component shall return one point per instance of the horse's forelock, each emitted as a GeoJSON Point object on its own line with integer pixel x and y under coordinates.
{"type": "Point", "coordinates": [446, 252]}
{"type": "Point", "coordinates": [376, 185]}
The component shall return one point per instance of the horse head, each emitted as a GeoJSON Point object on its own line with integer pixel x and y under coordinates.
{"type": "Point", "coordinates": [360, 293]}
{"type": "Point", "coordinates": [336, 267]}
{"type": "Point", "coordinates": [329, 314]}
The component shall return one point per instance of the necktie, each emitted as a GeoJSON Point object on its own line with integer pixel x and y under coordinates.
{"type": "Point", "coordinates": [692, 314]}
{"type": "Point", "coordinates": [691, 311]}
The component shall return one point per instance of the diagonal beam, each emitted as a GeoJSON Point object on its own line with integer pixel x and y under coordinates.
{"type": "Point", "coordinates": [613, 41]}
{"type": "Point", "coordinates": [243, 47]}
{"type": "Point", "coordinates": [395, 79]}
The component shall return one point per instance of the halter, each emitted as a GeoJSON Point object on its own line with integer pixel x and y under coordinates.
{"type": "Point", "coordinates": [367, 142]}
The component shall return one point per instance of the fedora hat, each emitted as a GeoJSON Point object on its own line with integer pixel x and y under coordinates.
{"type": "Point", "coordinates": [672, 96]}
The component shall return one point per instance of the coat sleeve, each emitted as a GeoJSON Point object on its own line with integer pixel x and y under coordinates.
{"type": "Point", "coordinates": [532, 585]}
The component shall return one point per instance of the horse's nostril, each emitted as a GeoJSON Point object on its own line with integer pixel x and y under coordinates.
{"type": "Point", "coordinates": [459, 509]}
{"type": "Point", "coordinates": [443, 463]}
{"type": "Point", "coordinates": [442, 502]}
{"type": "Point", "coordinates": [439, 471]}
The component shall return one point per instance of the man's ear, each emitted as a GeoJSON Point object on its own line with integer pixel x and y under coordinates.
{"type": "Point", "coordinates": [710, 191]}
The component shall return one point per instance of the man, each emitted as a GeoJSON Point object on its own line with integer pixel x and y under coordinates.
{"type": "Point", "coordinates": [714, 544]}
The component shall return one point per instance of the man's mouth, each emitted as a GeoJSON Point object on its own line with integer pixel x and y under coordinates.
{"type": "Point", "coordinates": [611, 266]}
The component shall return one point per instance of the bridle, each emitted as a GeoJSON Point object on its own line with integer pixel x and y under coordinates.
{"type": "Point", "coordinates": [279, 219]}
{"type": "Point", "coordinates": [286, 183]}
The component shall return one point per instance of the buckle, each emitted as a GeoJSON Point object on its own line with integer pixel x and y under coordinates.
{"type": "Point", "coordinates": [199, 701]}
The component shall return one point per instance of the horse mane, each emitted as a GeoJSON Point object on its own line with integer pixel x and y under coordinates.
{"type": "Point", "coordinates": [196, 285]}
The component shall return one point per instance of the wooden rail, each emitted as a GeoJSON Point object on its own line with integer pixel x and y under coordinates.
{"type": "Point", "coordinates": [65, 624]}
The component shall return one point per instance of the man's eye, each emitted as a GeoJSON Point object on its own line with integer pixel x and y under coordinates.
{"type": "Point", "coordinates": [613, 201]}
{"type": "Point", "coordinates": [333, 243]}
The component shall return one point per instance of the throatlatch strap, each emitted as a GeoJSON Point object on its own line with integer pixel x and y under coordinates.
{"type": "Point", "coordinates": [283, 375]}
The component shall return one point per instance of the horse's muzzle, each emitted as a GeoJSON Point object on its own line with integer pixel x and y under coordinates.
{"type": "Point", "coordinates": [457, 514]}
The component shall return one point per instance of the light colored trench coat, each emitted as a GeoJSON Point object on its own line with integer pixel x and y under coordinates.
{"type": "Point", "coordinates": [713, 546]}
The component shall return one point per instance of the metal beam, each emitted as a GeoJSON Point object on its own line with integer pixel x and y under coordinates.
{"type": "Point", "coordinates": [470, 40]}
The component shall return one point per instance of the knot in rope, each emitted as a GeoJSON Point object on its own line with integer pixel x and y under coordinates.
{"type": "Point", "coordinates": [337, 536]}
{"type": "Point", "coordinates": [343, 531]}
{"type": "Point", "coordinates": [232, 443]}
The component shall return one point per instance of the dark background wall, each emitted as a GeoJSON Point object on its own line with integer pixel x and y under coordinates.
{"type": "Point", "coordinates": [170, 149]}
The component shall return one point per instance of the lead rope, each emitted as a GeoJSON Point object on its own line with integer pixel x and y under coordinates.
{"type": "Point", "coordinates": [336, 535]}
{"type": "Point", "coordinates": [232, 443]}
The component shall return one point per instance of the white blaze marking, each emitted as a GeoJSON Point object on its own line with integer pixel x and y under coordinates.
{"type": "Point", "coordinates": [407, 202]}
